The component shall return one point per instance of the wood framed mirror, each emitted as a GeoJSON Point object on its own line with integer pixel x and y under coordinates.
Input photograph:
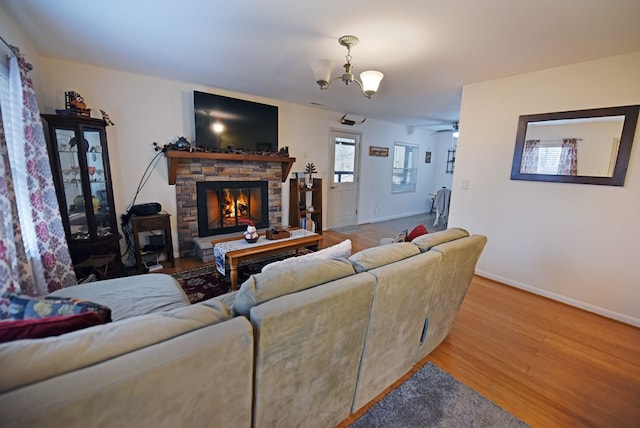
{"type": "Point", "coordinates": [582, 146]}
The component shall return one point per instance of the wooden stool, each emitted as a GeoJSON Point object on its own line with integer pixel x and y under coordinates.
{"type": "Point", "coordinates": [97, 264]}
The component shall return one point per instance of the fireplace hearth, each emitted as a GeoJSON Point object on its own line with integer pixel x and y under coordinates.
{"type": "Point", "coordinates": [229, 206]}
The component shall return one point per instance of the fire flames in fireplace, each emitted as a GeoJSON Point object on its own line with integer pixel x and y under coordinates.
{"type": "Point", "coordinates": [228, 206]}
{"type": "Point", "coordinates": [234, 207]}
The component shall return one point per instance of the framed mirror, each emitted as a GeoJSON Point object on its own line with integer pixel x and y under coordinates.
{"type": "Point", "coordinates": [581, 146]}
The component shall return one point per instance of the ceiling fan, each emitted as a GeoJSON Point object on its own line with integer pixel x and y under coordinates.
{"type": "Point", "coordinates": [453, 128]}
{"type": "Point", "coordinates": [437, 126]}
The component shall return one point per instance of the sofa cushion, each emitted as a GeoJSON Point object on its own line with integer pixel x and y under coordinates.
{"type": "Point", "coordinates": [379, 256]}
{"type": "Point", "coordinates": [29, 307]}
{"type": "Point", "coordinates": [426, 242]}
{"type": "Point", "coordinates": [273, 283]}
{"type": "Point", "coordinates": [403, 292]}
{"type": "Point", "coordinates": [131, 296]}
{"type": "Point", "coordinates": [200, 378]}
{"type": "Point", "coordinates": [36, 328]}
{"type": "Point", "coordinates": [419, 230]}
{"type": "Point", "coordinates": [30, 361]}
{"type": "Point", "coordinates": [459, 259]}
{"type": "Point", "coordinates": [307, 352]}
{"type": "Point", "coordinates": [340, 250]}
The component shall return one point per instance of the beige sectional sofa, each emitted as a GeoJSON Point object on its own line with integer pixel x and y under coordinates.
{"type": "Point", "coordinates": [305, 344]}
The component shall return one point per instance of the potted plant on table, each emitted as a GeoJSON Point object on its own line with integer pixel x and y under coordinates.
{"type": "Point", "coordinates": [310, 169]}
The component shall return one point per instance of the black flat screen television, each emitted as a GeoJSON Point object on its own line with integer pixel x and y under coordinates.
{"type": "Point", "coordinates": [222, 123]}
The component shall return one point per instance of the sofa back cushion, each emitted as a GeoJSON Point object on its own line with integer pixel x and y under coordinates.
{"type": "Point", "coordinates": [374, 257]}
{"type": "Point", "coordinates": [308, 347]}
{"type": "Point", "coordinates": [201, 378]}
{"type": "Point", "coordinates": [426, 242]}
{"type": "Point", "coordinates": [402, 295]}
{"type": "Point", "coordinates": [264, 286]}
{"type": "Point", "coordinates": [33, 360]}
{"type": "Point", "coordinates": [459, 259]}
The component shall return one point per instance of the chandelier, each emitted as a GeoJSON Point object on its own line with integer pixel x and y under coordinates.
{"type": "Point", "coordinates": [369, 80]}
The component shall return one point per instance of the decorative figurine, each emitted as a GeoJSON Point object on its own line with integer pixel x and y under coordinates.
{"type": "Point", "coordinates": [251, 235]}
{"type": "Point", "coordinates": [74, 102]}
{"type": "Point", "coordinates": [310, 169]}
{"type": "Point", "coordinates": [106, 118]}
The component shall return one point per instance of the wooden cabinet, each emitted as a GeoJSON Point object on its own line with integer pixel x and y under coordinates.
{"type": "Point", "coordinates": [305, 203]}
{"type": "Point", "coordinates": [79, 159]}
{"type": "Point", "coordinates": [155, 222]}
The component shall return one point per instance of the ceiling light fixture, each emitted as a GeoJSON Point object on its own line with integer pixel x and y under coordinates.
{"type": "Point", "coordinates": [370, 80]}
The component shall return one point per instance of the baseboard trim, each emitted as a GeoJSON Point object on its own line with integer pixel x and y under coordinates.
{"type": "Point", "coordinates": [563, 299]}
{"type": "Point", "coordinates": [403, 215]}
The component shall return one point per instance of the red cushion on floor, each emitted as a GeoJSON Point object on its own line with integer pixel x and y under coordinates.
{"type": "Point", "coordinates": [417, 231]}
{"type": "Point", "coordinates": [36, 328]}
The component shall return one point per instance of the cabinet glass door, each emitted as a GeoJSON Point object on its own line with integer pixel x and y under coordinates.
{"type": "Point", "coordinates": [67, 146]}
{"type": "Point", "coordinates": [99, 203]}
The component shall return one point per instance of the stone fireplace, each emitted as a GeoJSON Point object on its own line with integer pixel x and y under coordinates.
{"type": "Point", "coordinates": [186, 170]}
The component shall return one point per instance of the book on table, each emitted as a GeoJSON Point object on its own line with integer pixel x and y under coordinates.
{"type": "Point", "coordinates": [308, 224]}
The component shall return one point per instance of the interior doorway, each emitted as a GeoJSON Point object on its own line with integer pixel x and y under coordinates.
{"type": "Point", "coordinates": [343, 188]}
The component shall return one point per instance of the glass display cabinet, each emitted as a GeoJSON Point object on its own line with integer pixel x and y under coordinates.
{"type": "Point", "coordinates": [80, 165]}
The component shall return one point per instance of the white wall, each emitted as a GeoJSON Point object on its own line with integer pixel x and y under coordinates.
{"type": "Point", "coordinates": [377, 203]}
{"type": "Point", "coordinates": [575, 243]}
{"type": "Point", "coordinates": [13, 35]}
{"type": "Point", "coordinates": [148, 109]}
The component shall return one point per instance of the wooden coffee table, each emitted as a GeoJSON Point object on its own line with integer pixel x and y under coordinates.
{"type": "Point", "coordinates": [235, 257]}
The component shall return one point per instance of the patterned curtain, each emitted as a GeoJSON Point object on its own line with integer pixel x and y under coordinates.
{"type": "Point", "coordinates": [530, 157]}
{"type": "Point", "coordinates": [568, 164]}
{"type": "Point", "coordinates": [34, 256]}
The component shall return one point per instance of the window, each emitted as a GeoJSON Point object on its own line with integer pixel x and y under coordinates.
{"type": "Point", "coordinates": [344, 160]}
{"type": "Point", "coordinates": [549, 158]}
{"type": "Point", "coordinates": [11, 115]}
{"type": "Point", "coordinates": [405, 162]}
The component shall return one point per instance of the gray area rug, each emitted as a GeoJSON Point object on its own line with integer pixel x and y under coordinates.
{"type": "Point", "coordinates": [434, 398]}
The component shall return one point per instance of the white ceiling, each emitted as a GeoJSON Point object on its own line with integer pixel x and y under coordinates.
{"type": "Point", "coordinates": [427, 49]}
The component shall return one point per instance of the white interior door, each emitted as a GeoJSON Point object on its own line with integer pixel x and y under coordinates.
{"type": "Point", "coordinates": [343, 189]}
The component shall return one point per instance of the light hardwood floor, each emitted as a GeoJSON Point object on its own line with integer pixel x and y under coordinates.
{"type": "Point", "coordinates": [550, 364]}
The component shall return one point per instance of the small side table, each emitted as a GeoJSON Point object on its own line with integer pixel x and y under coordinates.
{"type": "Point", "coordinates": [148, 223]}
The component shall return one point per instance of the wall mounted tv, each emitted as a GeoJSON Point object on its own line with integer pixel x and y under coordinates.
{"type": "Point", "coordinates": [223, 122]}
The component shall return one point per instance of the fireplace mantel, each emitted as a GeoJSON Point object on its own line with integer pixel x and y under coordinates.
{"type": "Point", "coordinates": [174, 156]}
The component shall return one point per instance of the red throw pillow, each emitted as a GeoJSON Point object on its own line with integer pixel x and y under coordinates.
{"type": "Point", "coordinates": [36, 328]}
{"type": "Point", "coordinates": [417, 231]}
